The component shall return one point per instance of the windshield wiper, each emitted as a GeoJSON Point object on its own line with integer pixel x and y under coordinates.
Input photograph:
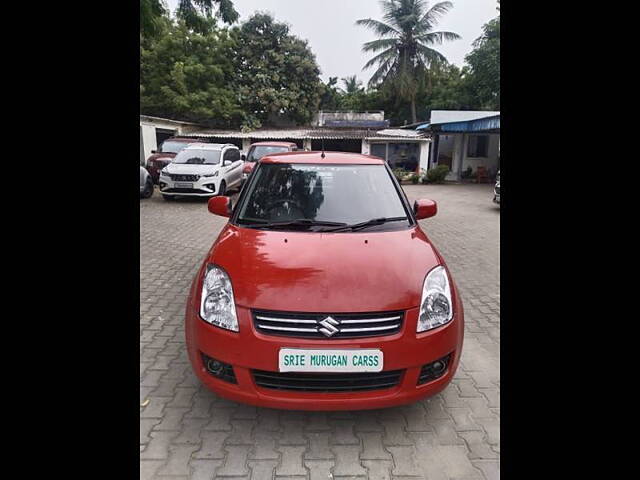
{"type": "Point", "coordinates": [300, 222]}
{"type": "Point", "coordinates": [368, 223]}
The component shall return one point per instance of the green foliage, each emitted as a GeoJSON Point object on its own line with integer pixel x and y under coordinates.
{"type": "Point", "coordinates": [414, 178]}
{"type": "Point", "coordinates": [400, 173]}
{"type": "Point", "coordinates": [404, 47]}
{"type": "Point", "coordinates": [276, 73]}
{"type": "Point", "coordinates": [151, 14]}
{"type": "Point", "coordinates": [189, 76]}
{"type": "Point", "coordinates": [198, 15]}
{"type": "Point", "coordinates": [484, 67]}
{"type": "Point", "coordinates": [436, 174]}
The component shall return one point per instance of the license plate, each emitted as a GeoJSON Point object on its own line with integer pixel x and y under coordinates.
{"type": "Point", "coordinates": [184, 185]}
{"type": "Point", "coordinates": [327, 361]}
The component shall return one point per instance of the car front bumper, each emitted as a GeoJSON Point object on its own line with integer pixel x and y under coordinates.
{"type": "Point", "coordinates": [203, 187]}
{"type": "Point", "coordinates": [249, 350]}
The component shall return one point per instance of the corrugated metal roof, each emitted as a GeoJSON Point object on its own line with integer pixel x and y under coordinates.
{"type": "Point", "coordinates": [479, 125]}
{"type": "Point", "coordinates": [489, 123]}
{"type": "Point", "coordinates": [447, 116]}
{"type": "Point", "coordinates": [309, 133]}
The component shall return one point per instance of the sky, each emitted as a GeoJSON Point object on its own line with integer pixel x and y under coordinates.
{"type": "Point", "coordinates": [329, 27]}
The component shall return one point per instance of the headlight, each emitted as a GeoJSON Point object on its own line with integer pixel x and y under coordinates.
{"type": "Point", "coordinates": [217, 306]}
{"type": "Point", "coordinates": [211, 174]}
{"type": "Point", "coordinates": [436, 307]}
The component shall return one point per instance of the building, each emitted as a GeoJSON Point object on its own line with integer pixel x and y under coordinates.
{"type": "Point", "coordinates": [464, 140]}
{"type": "Point", "coordinates": [360, 132]}
{"type": "Point", "coordinates": [154, 131]}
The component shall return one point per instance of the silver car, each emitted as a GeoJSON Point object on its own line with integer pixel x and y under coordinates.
{"type": "Point", "coordinates": [146, 183]}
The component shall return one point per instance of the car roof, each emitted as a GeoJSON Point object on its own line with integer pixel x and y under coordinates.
{"type": "Point", "coordinates": [209, 146]}
{"type": "Point", "coordinates": [275, 144]}
{"type": "Point", "coordinates": [344, 158]}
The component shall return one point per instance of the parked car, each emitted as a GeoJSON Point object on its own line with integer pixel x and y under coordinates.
{"type": "Point", "coordinates": [260, 149]}
{"type": "Point", "coordinates": [496, 189]}
{"type": "Point", "coordinates": [202, 170]}
{"type": "Point", "coordinates": [162, 157]}
{"type": "Point", "coordinates": [146, 184]}
{"type": "Point", "coordinates": [322, 292]}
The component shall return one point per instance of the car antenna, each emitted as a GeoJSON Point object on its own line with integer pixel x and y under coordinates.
{"type": "Point", "coordinates": [322, 155]}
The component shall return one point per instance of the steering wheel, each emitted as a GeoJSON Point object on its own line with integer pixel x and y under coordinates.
{"type": "Point", "coordinates": [277, 203]}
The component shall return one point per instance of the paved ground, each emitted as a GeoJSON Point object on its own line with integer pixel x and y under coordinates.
{"type": "Point", "coordinates": [188, 432]}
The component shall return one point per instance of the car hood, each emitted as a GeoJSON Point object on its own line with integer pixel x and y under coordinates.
{"type": "Point", "coordinates": [161, 156]}
{"type": "Point", "coordinates": [325, 272]}
{"type": "Point", "coordinates": [184, 168]}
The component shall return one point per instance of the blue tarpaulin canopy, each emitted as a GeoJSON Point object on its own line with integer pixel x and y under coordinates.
{"type": "Point", "coordinates": [491, 123]}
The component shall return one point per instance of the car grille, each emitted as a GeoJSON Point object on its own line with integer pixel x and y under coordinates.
{"type": "Point", "coordinates": [184, 178]}
{"type": "Point", "coordinates": [327, 382]}
{"type": "Point", "coordinates": [184, 190]}
{"type": "Point", "coordinates": [327, 326]}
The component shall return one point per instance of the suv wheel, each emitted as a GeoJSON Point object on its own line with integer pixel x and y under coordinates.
{"type": "Point", "coordinates": [148, 189]}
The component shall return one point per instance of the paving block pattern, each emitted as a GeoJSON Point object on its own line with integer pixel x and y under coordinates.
{"type": "Point", "coordinates": [188, 432]}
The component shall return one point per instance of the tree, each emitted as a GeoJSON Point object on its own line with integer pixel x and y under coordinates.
{"type": "Point", "coordinates": [406, 37]}
{"type": "Point", "coordinates": [197, 14]}
{"type": "Point", "coordinates": [352, 85]}
{"type": "Point", "coordinates": [330, 95]}
{"type": "Point", "coordinates": [277, 76]}
{"type": "Point", "coordinates": [484, 66]}
{"type": "Point", "coordinates": [151, 13]}
{"type": "Point", "coordinates": [187, 75]}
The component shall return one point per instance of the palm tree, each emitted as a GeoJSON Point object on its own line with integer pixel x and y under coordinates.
{"type": "Point", "coordinates": [351, 84]}
{"type": "Point", "coordinates": [406, 36]}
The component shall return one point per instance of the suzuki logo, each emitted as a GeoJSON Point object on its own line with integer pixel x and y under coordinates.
{"type": "Point", "coordinates": [329, 326]}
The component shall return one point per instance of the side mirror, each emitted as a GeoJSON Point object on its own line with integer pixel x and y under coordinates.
{"type": "Point", "coordinates": [220, 206]}
{"type": "Point", "coordinates": [424, 208]}
{"type": "Point", "coordinates": [243, 157]}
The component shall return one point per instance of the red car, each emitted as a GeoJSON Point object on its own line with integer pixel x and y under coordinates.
{"type": "Point", "coordinates": [260, 149]}
{"type": "Point", "coordinates": [322, 292]}
{"type": "Point", "coordinates": [167, 152]}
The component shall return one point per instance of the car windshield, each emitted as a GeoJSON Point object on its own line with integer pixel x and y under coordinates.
{"type": "Point", "coordinates": [259, 151]}
{"type": "Point", "coordinates": [310, 194]}
{"type": "Point", "coordinates": [172, 147]}
{"type": "Point", "coordinates": [194, 156]}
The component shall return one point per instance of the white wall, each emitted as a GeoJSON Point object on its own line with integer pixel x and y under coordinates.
{"type": "Point", "coordinates": [490, 162]}
{"type": "Point", "coordinates": [148, 139]}
{"type": "Point", "coordinates": [459, 148]}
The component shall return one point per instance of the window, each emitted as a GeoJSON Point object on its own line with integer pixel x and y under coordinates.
{"type": "Point", "coordinates": [172, 147]}
{"type": "Point", "coordinates": [232, 155]}
{"type": "Point", "coordinates": [259, 151]}
{"type": "Point", "coordinates": [478, 146]}
{"type": "Point", "coordinates": [335, 193]}
{"type": "Point", "coordinates": [193, 156]}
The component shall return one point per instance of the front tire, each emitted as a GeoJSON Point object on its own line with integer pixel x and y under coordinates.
{"type": "Point", "coordinates": [148, 189]}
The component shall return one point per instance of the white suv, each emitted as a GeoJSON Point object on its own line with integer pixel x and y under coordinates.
{"type": "Point", "coordinates": [202, 170]}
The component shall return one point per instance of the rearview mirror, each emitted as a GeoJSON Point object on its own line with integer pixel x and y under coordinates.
{"type": "Point", "coordinates": [424, 208]}
{"type": "Point", "coordinates": [243, 157]}
{"type": "Point", "coordinates": [220, 206]}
